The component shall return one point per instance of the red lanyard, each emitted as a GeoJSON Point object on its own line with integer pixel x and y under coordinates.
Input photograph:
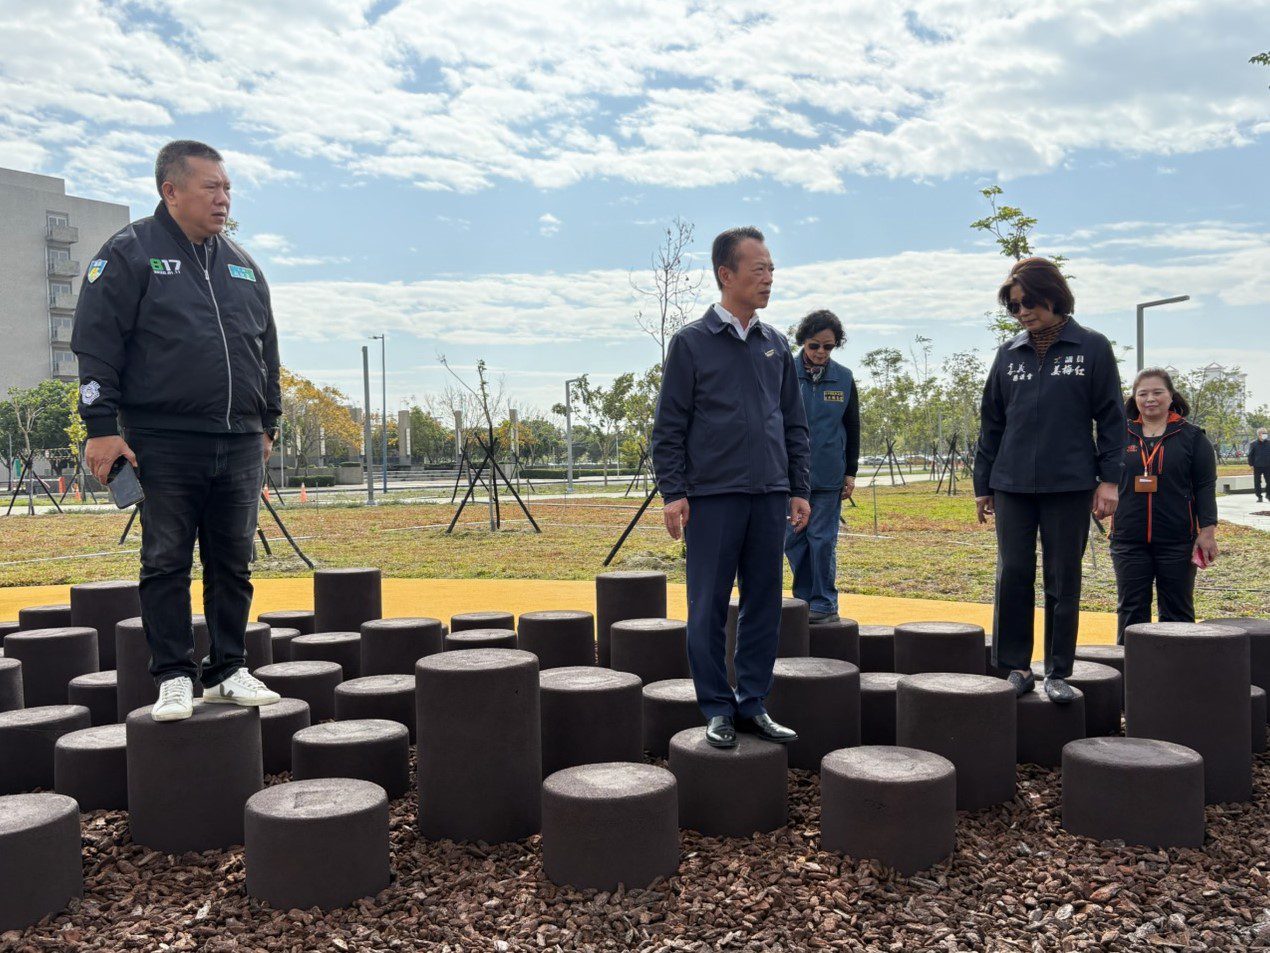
{"type": "Point", "coordinates": [1147, 460]}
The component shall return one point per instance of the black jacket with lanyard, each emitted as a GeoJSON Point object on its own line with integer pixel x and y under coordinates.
{"type": "Point", "coordinates": [1168, 492]}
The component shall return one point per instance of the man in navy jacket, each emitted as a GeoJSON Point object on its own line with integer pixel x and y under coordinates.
{"type": "Point", "coordinates": [730, 443]}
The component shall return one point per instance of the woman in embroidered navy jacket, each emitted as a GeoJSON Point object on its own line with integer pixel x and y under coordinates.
{"type": "Point", "coordinates": [1167, 516]}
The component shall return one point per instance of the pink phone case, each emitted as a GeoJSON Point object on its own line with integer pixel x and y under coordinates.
{"type": "Point", "coordinates": [1198, 559]}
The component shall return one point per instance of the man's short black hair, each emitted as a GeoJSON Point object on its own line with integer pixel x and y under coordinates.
{"type": "Point", "coordinates": [170, 164]}
{"type": "Point", "coordinates": [816, 322]}
{"type": "Point", "coordinates": [723, 254]}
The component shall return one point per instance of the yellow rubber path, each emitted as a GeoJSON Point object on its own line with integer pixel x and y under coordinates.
{"type": "Point", "coordinates": [442, 598]}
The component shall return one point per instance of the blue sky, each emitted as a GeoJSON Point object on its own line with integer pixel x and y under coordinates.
{"type": "Point", "coordinates": [480, 182]}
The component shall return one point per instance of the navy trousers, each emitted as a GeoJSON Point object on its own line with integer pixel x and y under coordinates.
{"type": "Point", "coordinates": [734, 537]}
{"type": "Point", "coordinates": [813, 553]}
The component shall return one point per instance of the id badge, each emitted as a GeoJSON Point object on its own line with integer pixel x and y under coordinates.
{"type": "Point", "coordinates": [1144, 483]}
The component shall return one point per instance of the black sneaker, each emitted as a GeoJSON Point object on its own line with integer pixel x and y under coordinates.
{"type": "Point", "coordinates": [1059, 692]}
{"type": "Point", "coordinates": [1021, 682]}
{"type": "Point", "coordinates": [822, 618]}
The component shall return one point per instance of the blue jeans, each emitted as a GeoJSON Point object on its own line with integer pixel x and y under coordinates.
{"type": "Point", "coordinates": [205, 487]}
{"type": "Point", "coordinates": [813, 553]}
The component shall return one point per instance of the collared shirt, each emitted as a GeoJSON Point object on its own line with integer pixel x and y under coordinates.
{"type": "Point", "coordinates": [729, 318]}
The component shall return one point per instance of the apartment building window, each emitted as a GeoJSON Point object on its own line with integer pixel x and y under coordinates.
{"type": "Point", "coordinates": [58, 254]}
{"type": "Point", "coordinates": [58, 288]}
{"type": "Point", "coordinates": [58, 218]}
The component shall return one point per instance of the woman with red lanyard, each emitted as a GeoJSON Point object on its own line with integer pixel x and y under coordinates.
{"type": "Point", "coordinates": [1166, 520]}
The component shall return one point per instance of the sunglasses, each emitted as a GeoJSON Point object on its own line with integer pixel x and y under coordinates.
{"type": "Point", "coordinates": [1027, 301]}
{"type": "Point", "coordinates": [817, 346]}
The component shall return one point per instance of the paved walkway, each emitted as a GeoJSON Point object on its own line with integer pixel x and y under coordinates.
{"type": "Point", "coordinates": [442, 598]}
{"type": "Point", "coordinates": [1243, 508]}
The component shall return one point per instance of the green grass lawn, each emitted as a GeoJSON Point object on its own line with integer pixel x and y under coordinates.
{"type": "Point", "coordinates": [927, 546]}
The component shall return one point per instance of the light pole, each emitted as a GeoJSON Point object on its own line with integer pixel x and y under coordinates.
{"type": "Point", "coordinates": [383, 379]}
{"type": "Point", "coordinates": [1142, 326]}
{"type": "Point", "coordinates": [568, 430]}
{"type": "Point", "coordinates": [370, 472]}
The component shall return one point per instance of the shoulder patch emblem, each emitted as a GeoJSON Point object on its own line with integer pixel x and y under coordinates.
{"type": "Point", "coordinates": [88, 393]}
{"type": "Point", "coordinates": [769, 353]}
{"type": "Point", "coordinates": [238, 271]}
{"type": "Point", "coordinates": [95, 268]}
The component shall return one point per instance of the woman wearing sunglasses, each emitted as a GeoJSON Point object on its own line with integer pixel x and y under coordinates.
{"type": "Point", "coordinates": [1166, 520]}
{"type": "Point", "coordinates": [833, 416]}
{"type": "Point", "coordinates": [1040, 469]}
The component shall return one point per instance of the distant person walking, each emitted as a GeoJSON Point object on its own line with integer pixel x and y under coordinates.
{"type": "Point", "coordinates": [730, 451]}
{"type": "Point", "coordinates": [1039, 467]}
{"type": "Point", "coordinates": [1259, 460]}
{"type": "Point", "coordinates": [833, 416]}
{"type": "Point", "coordinates": [1166, 518]}
{"type": "Point", "coordinates": [176, 343]}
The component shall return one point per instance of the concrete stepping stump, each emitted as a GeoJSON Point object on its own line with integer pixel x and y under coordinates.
{"type": "Point", "coordinates": [134, 684]}
{"type": "Point", "coordinates": [44, 617]}
{"type": "Point", "coordinates": [28, 737]}
{"type": "Point", "coordinates": [102, 606]}
{"type": "Point", "coordinates": [259, 643]}
{"type": "Point", "coordinates": [1110, 655]}
{"type": "Point", "coordinates": [492, 619]}
{"type": "Point", "coordinates": [1103, 688]}
{"type": "Point", "coordinates": [50, 659]}
{"type": "Point", "coordinates": [345, 598]}
{"type": "Point", "coordinates": [343, 648]}
{"type": "Point", "coordinates": [893, 804]}
{"type": "Point", "coordinates": [795, 632]}
{"type": "Point", "coordinates": [1138, 790]}
{"type": "Point", "coordinates": [299, 619]}
{"type": "Point", "coordinates": [96, 691]}
{"type": "Point", "coordinates": [988, 667]}
{"type": "Point", "coordinates": [1258, 719]}
{"type": "Point", "coordinates": [877, 648]}
{"type": "Point", "coordinates": [1258, 647]}
{"type": "Point", "coordinates": [820, 699]}
{"type": "Point", "coordinates": [480, 745]}
{"type": "Point", "coordinates": [1188, 683]}
{"type": "Point", "coordinates": [626, 594]}
{"type": "Point", "coordinates": [938, 647]}
{"type": "Point", "coordinates": [390, 697]}
{"type": "Point", "coordinates": [317, 843]}
{"type": "Point", "coordinates": [278, 724]}
{"type": "Point", "coordinates": [7, 627]}
{"type": "Point", "coordinates": [590, 714]}
{"type": "Point", "coordinates": [1044, 727]}
{"type": "Point", "coordinates": [280, 639]}
{"type": "Point", "coordinates": [653, 649]}
{"type": "Point", "coordinates": [189, 780]}
{"type": "Point", "coordinates": [840, 640]}
{"type": "Point", "coordinates": [11, 695]}
{"type": "Point", "coordinates": [729, 792]}
{"type": "Point", "coordinates": [669, 708]}
{"type": "Point", "coordinates": [392, 646]}
{"type": "Point", "coordinates": [372, 749]}
{"type": "Point", "coordinates": [91, 765]}
{"type": "Point", "coordinates": [877, 707]}
{"type": "Point", "coordinates": [40, 855]}
{"type": "Point", "coordinates": [560, 638]}
{"type": "Point", "coordinates": [969, 719]}
{"type": "Point", "coordinates": [464, 639]}
{"type": "Point", "coordinates": [610, 824]}
{"type": "Point", "coordinates": [311, 682]}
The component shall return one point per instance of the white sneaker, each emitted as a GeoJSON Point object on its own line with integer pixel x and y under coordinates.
{"type": "Point", "coordinates": [176, 700]}
{"type": "Point", "coordinates": [241, 688]}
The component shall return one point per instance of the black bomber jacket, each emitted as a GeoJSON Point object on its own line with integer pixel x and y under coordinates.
{"type": "Point", "coordinates": [173, 336]}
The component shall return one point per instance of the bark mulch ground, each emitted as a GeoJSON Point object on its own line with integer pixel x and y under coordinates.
{"type": "Point", "coordinates": [1016, 882]}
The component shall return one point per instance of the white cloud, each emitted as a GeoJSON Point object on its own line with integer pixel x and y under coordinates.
{"type": "Point", "coordinates": [298, 261]}
{"type": "Point", "coordinates": [267, 242]}
{"type": "Point", "coordinates": [548, 224]}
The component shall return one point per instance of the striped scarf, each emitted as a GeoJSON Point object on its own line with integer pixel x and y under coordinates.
{"type": "Point", "coordinates": [1041, 340]}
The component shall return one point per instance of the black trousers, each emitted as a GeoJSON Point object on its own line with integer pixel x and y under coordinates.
{"type": "Point", "coordinates": [1261, 481]}
{"type": "Point", "coordinates": [1062, 519]}
{"type": "Point", "coordinates": [1164, 567]}
{"type": "Point", "coordinates": [204, 487]}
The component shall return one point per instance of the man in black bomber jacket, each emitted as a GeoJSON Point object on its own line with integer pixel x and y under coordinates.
{"type": "Point", "coordinates": [177, 346]}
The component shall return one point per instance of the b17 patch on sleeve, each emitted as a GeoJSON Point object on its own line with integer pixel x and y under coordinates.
{"type": "Point", "coordinates": [88, 393]}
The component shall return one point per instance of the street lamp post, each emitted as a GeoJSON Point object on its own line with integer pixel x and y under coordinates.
{"type": "Point", "coordinates": [366, 439]}
{"type": "Point", "coordinates": [1142, 324]}
{"type": "Point", "coordinates": [568, 430]}
{"type": "Point", "coordinates": [383, 379]}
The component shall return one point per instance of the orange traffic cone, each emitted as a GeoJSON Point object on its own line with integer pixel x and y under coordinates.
{"type": "Point", "coordinates": [79, 497]}
{"type": "Point", "coordinates": [304, 494]}
{"type": "Point", "coordinates": [61, 484]}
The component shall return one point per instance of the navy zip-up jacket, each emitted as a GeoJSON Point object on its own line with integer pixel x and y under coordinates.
{"type": "Point", "coordinates": [1259, 454]}
{"type": "Point", "coordinates": [833, 417]}
{"type": "Point", "coordinates": [729, 418]}
{"type": "Point", "coordinates": [1185, 500]}
{"type": "Point", "coordinates": [170, 337]}
{"type": "Point", "coordinates": [1036, 430]}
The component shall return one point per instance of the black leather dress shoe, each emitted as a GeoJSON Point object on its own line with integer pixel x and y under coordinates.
{"type": "Point", "coordinates": [721, 732]}
{"type": "Point", "coordinates": [763, 726]}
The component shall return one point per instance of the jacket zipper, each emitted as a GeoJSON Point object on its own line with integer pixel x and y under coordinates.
{"type": "Point", "coordinates": [229, 371]}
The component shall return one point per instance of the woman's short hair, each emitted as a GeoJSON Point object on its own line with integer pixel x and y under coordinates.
{"type": "Point", "coordinates": [816, 322]}
{"type": "Point", "coordinates": [1040, 278]}
{"type": "Point", "coordinates": [1178, 403]}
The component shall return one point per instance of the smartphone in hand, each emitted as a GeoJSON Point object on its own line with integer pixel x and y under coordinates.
{"type": "Point", "coordinates": [1199, 559]}
{"type": "Point", "coordinates": [125, 488]}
